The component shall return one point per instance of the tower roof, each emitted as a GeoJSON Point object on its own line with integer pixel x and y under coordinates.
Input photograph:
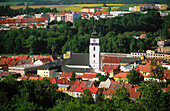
{"type": "Point", "coordinates": [94, 33]}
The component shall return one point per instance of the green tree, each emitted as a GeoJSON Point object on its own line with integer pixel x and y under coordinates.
{"type": "Point", "coordinates": [134, 77]}
{"type": "Point", "coordinates": [86, 97]}
{"type": "Point", "coordinates": [103, 77]}
{"type": "Point", "coordinates": [73, 77]}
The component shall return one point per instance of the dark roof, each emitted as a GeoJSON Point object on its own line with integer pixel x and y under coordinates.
{"type": "Point", "coordinates": [128, 60]}
{"type": "Point", "coordinates": [94, 33]}
{"type": "Point", "coordinates": [89, 83]}
{"type": "Point", "coordinates": [49, 66]}
{"type": "Point", "coordinates": [78, 59]}
{"type": "Point", "coordinates": [81, 70]}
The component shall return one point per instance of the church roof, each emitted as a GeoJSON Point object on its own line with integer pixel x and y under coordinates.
{"type": "Point", "coordinates": [78, 59]}
{"type": "Point", "coordinates": [94, 33]}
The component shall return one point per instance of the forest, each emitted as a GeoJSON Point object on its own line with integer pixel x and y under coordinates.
{"type": "Point", "coordinates": [41, 95]}
{"type": "Point", "coordinates": [116, 35]}
{"type": "Point", "coordinates": [59, 2]}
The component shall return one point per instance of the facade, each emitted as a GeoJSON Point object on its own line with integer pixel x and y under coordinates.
{"type": "Point", "coordinates": [121, 77]}
{"type": "Point", "coordinates": [91, 9]}
{"type": "Point", "coordinates": [148, 54]}
{"type": "Point", "coordinates": [71, 17]}
{"type": "Point", "coordinates": [165, 49]}
{"type": "Point", "coordinates": [94, 50]}
{"type": "Point", "coordinates": [162, 6]}
{"type": "Point", "coordinates": [167, 57]}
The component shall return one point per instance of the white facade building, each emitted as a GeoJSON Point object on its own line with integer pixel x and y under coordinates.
{"type": "Point", "coordinates": [94, 50]}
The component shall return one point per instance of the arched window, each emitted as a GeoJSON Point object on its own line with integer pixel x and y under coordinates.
{"type": "Point", "coordinates": [93, 55]}
{"type": "Point", "coordinates": [94, 48]}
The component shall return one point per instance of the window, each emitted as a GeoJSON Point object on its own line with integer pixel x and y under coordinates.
{"type": "Point", "coordinates": [94, 48]}
{"type": "Point", "coordinates": [93, 55]}
{"type": "Point", "coordinates": [94, 61]}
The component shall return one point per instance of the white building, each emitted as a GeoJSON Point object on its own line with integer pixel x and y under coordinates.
{"type": "Point", "coordinates": [94, 50]}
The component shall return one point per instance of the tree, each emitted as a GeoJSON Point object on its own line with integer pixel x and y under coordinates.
{"type": "Point", "coordinates": [134, 77]}
{"type": "Point", "coordinates": [87, 97]}
{"type": "Point", "coordinates": [103, 78]}
{"type": "Point", "coordinates": [73, 77]}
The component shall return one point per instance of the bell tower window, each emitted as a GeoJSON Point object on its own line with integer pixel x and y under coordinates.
{"type": "Point", "coordinates": [94, 48]}
{"type": "Point", "coordinates": [93, 55]}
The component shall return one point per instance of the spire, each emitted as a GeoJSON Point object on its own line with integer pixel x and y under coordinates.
{"type": "Point", "coordinates": [94, 33]}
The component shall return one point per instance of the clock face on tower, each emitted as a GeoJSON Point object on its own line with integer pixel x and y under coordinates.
{"type": "Point", "coordinates": [94, 40]}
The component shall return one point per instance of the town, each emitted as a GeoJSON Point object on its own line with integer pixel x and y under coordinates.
{"type": "Point", "coordinates": [96, 74]}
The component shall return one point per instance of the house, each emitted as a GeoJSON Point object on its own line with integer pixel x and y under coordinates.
{"type": "Point", "coordinates": [66, 75]}
{"type": "Point", "coordinates": [108, 93]}
{"type": "Point", "coordinates": [51, 57]}
{"type": "Point", "coordinates": [143, 36]}
{"type": "Point", "coordinates": [145, 69]}
{"type": "Point", "coordinates": [42, 61]}
{"type": "Point", "coordinates": [48, 70]}
{"type": "Point", "coordinates": [72, 17]}
{"type": "Point", "coordinates": [128, 67]}
{"type": "Point", "coordinates": [64, 81]}
{"type": "Point", "coordinates": [63, 88]}
{"type": "Point", "coordinates": [24, 69]}
{"type": "Point", "coordinates": [70, 90]}
{"type": "Point", "coordinates": [105, 84]}
{"type": "Point", "coordinates": [111, 61]}
{"type": "Point", "coordinates": [111, 69]}
{"type": "Point", "coordinates": [162, 6]}
{"type": "Point", "coordinates": [115, 85]}
{"type": "Point", "coordinates": [88, 76]}
{"type": "Point", "coordinates": [78, 91]}
{"type": "Point", "coordinates": [133, 93]}
{"type": "Point", "coordinates": [121, 77]}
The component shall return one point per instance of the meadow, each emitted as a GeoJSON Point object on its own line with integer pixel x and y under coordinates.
{"type": "Point", "coordinates": [75, 7]}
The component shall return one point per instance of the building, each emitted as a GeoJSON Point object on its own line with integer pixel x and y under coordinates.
{"type": "Point", "coordinates": [167, 58]}
{"type": "Point", "coordinates": [24, 69]}
{"type": "Point", "coordinates": [162, 6]}
{"type": "Point", "coordinates": [91, 9]}
{"type": "Point", "coordinates": [94, 50]}
{"type": "Point", "coordinates": [71, 17]}
{"type": "Point", "coordinates": [148, 54]}
{"type": "Point", "coordinates": [165, 49]}
{"type": "Point", "coordinates": [121, 77]}
{"type": "Point", "coordinates": [48, 70]}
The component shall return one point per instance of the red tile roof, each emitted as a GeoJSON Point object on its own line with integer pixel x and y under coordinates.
{"type": "Point", "coordinates": [23, 57]}
{"type": "Point", "coordinates": [108, 68]}
{"type": "Point", "coordinates": [112, 59]}
{"type": "Point", "coordinates": [165, 89]}
{"type": "Point", "coordinates": [51, 57]}
{"type": "Point", "coordinates": [62, 81]}
{"type": "Point", "coordinates": [52, 80]}
{"type": "Point", "coordinates": [83, 83]}
{"type": "Point", "coordinates": [33, 78]}
{"type": "Point", "coordinates": [133, 92]}
{"type": "Point", "coordinates": [80, 89]}
{"type": "Point", "coordinates": [13, 62]}
{"type": "Point", "coordinates": [145, 68]}
{"type": "Point", "coordinates": [77, 83]}
{"type": "Point", "coordinates": [142, 36]}
{"type": "Point", "coordinates": [109, 91]}
{"type": "Point", "coordinates": [121, 75]}
{"type": "Point", "coordinates": [66, 74]}
{"type": "Point", "coordinates": [4, 61]}
{"type": "Point", "coordinates": [127, 85]}
{"type": "Point", "coordinates": [87, 76]}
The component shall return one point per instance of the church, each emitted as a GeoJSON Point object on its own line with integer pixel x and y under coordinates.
{"type": "Point", "coordinates": [85, 62]}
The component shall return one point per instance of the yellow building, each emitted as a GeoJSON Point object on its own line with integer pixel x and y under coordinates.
{"type": "Point", "coordinates": [63, 88]}
{"type": "Point", "coordinates": [162, 6]}
{"type": "Point", "coordinates": [167, 57]}
{"type": "Point", "coordinates": [85, 10]}
{"type": "Point", "coordinates": [121, 77]}
{"type": "Point", "coordinates": [67, 55]}
{"type": "Point", "coordinates": [137, 8]}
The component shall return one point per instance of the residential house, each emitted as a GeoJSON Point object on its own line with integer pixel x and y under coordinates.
{"type": "Point", "coordinates": [63, 81]}
{"type": "Point", "coordinates": [121, 77]}
{"type": "Point", "coordinates": [72, 17]}
{"type": "Point", "coordinates": [88, 76]}
{"type": "Point", "coordinates": [42, 61]}
{"type": "Point", "coordinates": [105, 84]}
{"type": "Point", "coordinates": [162, 6]}
{"type": "Point", "coordinates": [111, 61]}
{"type": "Point", "coordinates": [108, 93]}
{"type": "Point", "coordinates": [48, 70]}
{"type": "Point", "coordinates": [111, 69]}
{"type": "Point", "coordinates": [78, 91]}
{"type": "Point", "coordinates": [143, 36]}
{"type": "Point", "coordinates": [66, 75]}
{"type": "Point", "coordinates": [63, 88]}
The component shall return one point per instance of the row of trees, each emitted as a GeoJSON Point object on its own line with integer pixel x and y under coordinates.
{"type": "Point", "coordinates": [7, 11]}
{"type": "Point", "coordinates": [41, 95]}
{"type": "Point", "coordinates": [116, 35]}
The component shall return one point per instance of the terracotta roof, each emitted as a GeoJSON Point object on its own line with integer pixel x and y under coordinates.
{"type": "Point", "coordinates": [66, 74]}
{"type": "Point", "coordinates": [52, 80]}
{"type": "Point", "coordinates": [109, 91]}
{"type": "Point", "coordinates": [12, 63]}
{"type": "Point", "coordinates": [112, 59]}
{"type": "Point", "coordinates": [70, 83]}
{"type": "Point", "coordinates": [45, 60]}
{"type": "Point", "coordinates": [23, 57]}
{"type": "Point", "coordinates": [142, 36]}
{"type": "Point", "coordinates": [87, 76]}
{"type": "Point", "coordinates": [108, 68]}
{"type": "Point", "coordinates": [121, 75]}
{"type": "Point", "coordinates": [24, 78]}
{"type": "Point", "coordinates": [113, 85]}
{"type": "Point", "coordinates": [72, 88]}
{"type": "Point", "coordinates": [165, 89]}
{"type": "Point", "coordinates": [62, 81]}
{"type": "Point", "coordinates": [31, 75]}
{"type": "Point", "coordinates": [133, 92]}
{"type": "Point", "coordinates": [80, 89]}
{"type": "Point", "coordinates": [83, 83]}
{"type": "Point", "coordinates": [4, 61]}
{"type": "Point", "coordinates": [33, 78]}
{"type": "Point", "coordinates": [77, 83]}
{"type": "Point", "coordinates": [127, 85]}
{"type": "Point", "coordinates": [145, 68]}
{"type": "Point", "coordinates": [45, 57]}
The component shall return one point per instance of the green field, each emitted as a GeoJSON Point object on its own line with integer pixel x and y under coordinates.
{"type": "Point", "coordinates": [125, 7]}
{"type": "Point", "coordinates": [11, 3]}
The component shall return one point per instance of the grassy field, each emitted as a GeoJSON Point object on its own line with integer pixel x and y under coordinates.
{"type": "Point", "coordinates": [74, 8]}
{"type": "Point", "coordinates": [11, 3]}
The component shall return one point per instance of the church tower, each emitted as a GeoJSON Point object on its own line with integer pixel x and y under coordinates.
{"type": "Point", "coordinates": [94, 50]}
